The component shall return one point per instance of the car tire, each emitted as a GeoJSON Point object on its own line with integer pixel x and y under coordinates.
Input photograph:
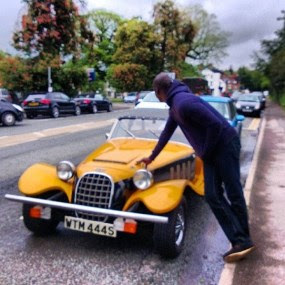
{"type": "Point", "coordinates": [257, 114]}
{"type": "Point", "coordinates": [169, 238]}
{"type": "Point", "coordinates": [94, 109]}
{"type": "Point", "coordinates": [40, 227]}
{"type": "Point", "coordinates": [55, 112]}
{"type": "Point", "coordinates": [8, 119]}
{"type": "Point", "coordinates": [77, 111]}
{"type": "Point", "coordinates": [110, 108]}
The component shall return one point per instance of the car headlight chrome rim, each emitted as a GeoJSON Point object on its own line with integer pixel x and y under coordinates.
{"type": "Point", "coordinates": [143, 179]}
{"type": "Point", "coordinates": [65, 170]}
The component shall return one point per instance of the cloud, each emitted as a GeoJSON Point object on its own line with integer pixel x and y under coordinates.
{"type": "Point", "coordinates": [126, 8]}
{"type": "Point", "coordinates": [248, 21]}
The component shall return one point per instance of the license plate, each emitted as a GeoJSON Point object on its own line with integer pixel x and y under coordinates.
{"type": "Point", "coordinates": [33, 104]}
{"type": "Point", "coordinates": [246, 110]}
{"type": "Point", "coordinates": [82, 225]}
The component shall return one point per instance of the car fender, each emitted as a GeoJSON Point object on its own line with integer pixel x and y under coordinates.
{"type": "Point", "coordinates": [41, 178]}
{"type": "Point", "coordinates": [161, 198]}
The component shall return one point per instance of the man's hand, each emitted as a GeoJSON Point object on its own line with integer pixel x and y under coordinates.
{"type": "Point", "coordinates": [145, 160]}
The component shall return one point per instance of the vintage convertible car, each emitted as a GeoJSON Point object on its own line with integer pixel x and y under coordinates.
{"type": "Point", "coordinates": [108, 192]}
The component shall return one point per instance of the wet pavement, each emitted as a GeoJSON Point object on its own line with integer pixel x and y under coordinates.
{"type": "Point", "coordinates": [266, 209]}
{"type": "Point", "coordinates": [76, 258]}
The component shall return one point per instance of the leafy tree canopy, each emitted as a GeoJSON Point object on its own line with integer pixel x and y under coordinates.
{"type": "Point", "coordinates": [52, 27]}
{"type": "Point", "coordinates": [210, 41]}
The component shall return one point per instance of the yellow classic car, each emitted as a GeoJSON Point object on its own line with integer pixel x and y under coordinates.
{"type": "Point", "coordinates": [108, 192]}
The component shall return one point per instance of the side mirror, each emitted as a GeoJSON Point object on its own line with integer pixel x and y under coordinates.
{"type": "Point", "coordinates": [240, 118]}
{"type": "Point", "coordinates": [107, 135]}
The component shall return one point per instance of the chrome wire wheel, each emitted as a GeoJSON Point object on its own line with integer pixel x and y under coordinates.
{"type": "Point", "coordinates": [180, 226]}
{"type": "Point", "coordinates": [169, 238]}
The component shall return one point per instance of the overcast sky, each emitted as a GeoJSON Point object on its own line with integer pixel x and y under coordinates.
{"type": "Point", "coordinates": [249, 21]}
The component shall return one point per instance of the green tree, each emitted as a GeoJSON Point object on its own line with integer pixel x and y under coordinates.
{"type": "Point", "coordinates": [136, 43]}
{"type": "Point", "coordinates": [254, 80]}
{"type": "Point", "coordinates": [271, 62]}
{"type": "Point", "coordinates": [52, 27]}
{"type": "Point", "coordinates": [176, 33]}
{"type": "Point", "coordinates": [14, 73]}
{"type": "Point", "coordinates": [128, 77]}
{"type": "Point", "coordinates": [104, 24]}
{"type": "Point", "coordinates": [210, 41]}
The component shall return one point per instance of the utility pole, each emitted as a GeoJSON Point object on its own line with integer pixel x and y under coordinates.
{"type": "Point", "coordinates": [49, 80]}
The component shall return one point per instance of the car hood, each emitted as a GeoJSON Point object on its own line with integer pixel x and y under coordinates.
{"type": "Point", "coordinates": [155, 105]}
{"type": "Point", "coordinates": [118, 157]}
{"type": "Point", "coordinates": [247, 103]}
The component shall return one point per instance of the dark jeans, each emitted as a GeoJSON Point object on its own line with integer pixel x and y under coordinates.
{"type": "Point", "coordinates": [222, 174]}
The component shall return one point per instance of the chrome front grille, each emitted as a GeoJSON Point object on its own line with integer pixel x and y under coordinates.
{"type": "Point", "coordinates": [94, 190]}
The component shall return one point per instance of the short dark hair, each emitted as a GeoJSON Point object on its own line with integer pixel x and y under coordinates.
{"type": "Point", "coordinates": [162, 81]}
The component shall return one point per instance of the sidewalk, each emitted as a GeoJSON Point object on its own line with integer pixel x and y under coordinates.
{"type": "Point", "coordinates": [267, 208]}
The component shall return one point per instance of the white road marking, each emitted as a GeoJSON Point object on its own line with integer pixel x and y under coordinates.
{"type": "Point", "coordinates": [33, 136]}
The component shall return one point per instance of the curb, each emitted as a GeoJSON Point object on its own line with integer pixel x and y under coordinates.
{"type": "Point", "coordinates": [227, 274]}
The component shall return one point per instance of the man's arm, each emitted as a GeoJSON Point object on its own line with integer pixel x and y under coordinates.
{"type": "Point", "coordinates": [165, 136]}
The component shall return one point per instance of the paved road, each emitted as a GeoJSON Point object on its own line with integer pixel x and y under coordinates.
{"type": "Point", "coordinates": [77, 258]}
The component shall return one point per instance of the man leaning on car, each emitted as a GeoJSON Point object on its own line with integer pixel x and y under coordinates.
{"type": "Point", "coordinates": [218, 144]}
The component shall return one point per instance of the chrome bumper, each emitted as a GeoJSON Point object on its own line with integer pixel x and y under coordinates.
{"type": "Point", "coordinates": [87, 209]}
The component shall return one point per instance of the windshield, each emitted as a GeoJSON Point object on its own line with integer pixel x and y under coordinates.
{"type": "Point", "coordinates": [222, 108]}
{"type": "Point", "coordinates": [146, 128]}
{"type": "Point", "coordinates": [150, 97]}
{"type": "Point", "coordinates": [36, 97]}
{"type": "Point", "coordinates": [249, 98]}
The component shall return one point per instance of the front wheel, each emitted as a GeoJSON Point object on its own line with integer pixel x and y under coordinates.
{"type": "Point", "coordinates": [39, 226]}
{"type": "Point", "coordinates": [8, 119]}
{"type": "Point", "coordinates": [55, 112]}
{"type": "Point", "coordinates": [77, 111]}
{"type": "Point", "coordinates": [169, 238]}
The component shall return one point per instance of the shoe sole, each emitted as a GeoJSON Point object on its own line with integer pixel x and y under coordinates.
{"type": "Point", "coordinates": [238, 255]}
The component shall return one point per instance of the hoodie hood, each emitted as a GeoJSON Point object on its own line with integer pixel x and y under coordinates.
{"type": "Point", "coordinates": [176, 87]}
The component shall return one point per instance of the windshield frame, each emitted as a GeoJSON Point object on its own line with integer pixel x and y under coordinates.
{"type": "Point", "coordinates": [177, 134]}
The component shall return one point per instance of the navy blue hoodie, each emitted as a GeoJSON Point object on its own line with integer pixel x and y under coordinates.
{"type": "Point", "coordinates": [204, 127]}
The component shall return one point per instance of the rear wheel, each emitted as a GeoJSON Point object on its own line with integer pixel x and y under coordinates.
{"type": "Point", "coordinates": [55, 112]}
{"type": "Point", "coordinates": [39, 226]}
{"type": "Point", "coordinates": [110, 108]}
{"type": "Point", "coordinates": [169, 238]}
{"type": "Point", "coordinates": [8, 119]}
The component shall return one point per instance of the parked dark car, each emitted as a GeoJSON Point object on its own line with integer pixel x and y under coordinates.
{"type": "Point", "coordinates": [52, 104]}
{"type": "Point", "coordinates": [93, 103]}
{"type": "Point", "coordinates": [10, 113]}
{"type": "Point", "coordinates": [249, 104]}
{"type": "Point", "coordinates": [140, 95]}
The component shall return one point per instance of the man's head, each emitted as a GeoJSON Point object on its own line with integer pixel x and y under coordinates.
{"type": "Point", "coordinates": [161, 85]}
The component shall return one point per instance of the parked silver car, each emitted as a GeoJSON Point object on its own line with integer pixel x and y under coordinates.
{"type": "Point", "coordinates": [249, 104]}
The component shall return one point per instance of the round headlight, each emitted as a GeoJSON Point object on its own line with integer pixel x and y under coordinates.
{"type": "Point", "coordinates": [143, 179]}
{"type": "Point", "coordinates": [65, 170]}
